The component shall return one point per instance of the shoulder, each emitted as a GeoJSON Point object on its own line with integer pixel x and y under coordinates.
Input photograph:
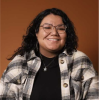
{"type": "Point", "coordinates": [19, 58]}
{"type": "Point", "coordinates": [81, 57]}
{"type": "Point", "coordinates": [81, 60]}
{"type": "Point", "coordinates": [16, 63]}
{"type": "Point", "coordinates": [78, 54]}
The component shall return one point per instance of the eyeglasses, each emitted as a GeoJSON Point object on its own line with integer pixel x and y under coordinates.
{"type": "Point", "coordinates": [48, 28]}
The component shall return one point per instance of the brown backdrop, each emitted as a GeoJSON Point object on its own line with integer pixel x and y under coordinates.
{"type": "Point", "coordinates": [17, 14]}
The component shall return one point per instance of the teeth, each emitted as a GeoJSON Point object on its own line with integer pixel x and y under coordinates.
{"type": "Point", "coordinates": [53, 39]}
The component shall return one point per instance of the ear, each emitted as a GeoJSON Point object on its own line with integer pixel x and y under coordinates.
{"type": "Point", "coordinates": [37, 35]}
{"type": "Point", "coordinates": [35, 32]}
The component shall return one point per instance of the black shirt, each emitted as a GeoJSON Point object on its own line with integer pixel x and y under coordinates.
{"type": "Point", "coordinates": [47, 84]}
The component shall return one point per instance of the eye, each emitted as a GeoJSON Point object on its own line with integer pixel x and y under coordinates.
{"type": "Point", "coordinates": [61, 28]}
{"type": "Point", "coordinates": [47, 27]}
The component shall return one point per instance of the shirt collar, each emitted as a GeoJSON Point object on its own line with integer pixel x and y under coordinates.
{"type": "Point", "coordinates": [32, 54]}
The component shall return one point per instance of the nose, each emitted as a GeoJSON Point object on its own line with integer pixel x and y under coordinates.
{"type": "Point", "coordinates": [54, 31]}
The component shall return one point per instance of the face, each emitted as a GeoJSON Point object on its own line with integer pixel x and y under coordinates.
{"type": "Point", "coordinates": [53, 41]}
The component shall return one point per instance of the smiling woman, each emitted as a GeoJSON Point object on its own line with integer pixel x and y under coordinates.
{"type": "Point", "coordinates": [51, 40]}
{"type": "Point", "coordinates": [48, 65]}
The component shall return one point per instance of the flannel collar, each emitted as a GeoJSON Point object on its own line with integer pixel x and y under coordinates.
{"type": "Point", "coordinates": [32, 54]}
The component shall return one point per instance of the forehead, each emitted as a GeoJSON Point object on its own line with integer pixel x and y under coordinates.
{"type": "Point", "coordinates": [52, 19]}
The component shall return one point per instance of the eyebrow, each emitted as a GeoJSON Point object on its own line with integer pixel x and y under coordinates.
{"type": "Point", "coordinates": [51, 24]}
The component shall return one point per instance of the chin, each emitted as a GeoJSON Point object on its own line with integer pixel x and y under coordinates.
{"type": "Point", "coordinates": [55, 50]}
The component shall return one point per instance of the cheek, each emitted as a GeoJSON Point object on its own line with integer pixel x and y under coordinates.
{"type": "Point", "coordinates": [41, 35]}
{"type": "Point", "coordinates": [64, 38]}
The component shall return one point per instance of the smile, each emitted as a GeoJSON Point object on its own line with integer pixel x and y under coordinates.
{"type": "Point", "coordinates": [53, 39]}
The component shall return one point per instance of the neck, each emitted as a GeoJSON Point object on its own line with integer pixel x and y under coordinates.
{"type": "Point", "coordinates": [49, 54]}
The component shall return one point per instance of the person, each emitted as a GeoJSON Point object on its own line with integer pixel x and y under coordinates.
{"type": "Point", "coordinates": [48, 65]}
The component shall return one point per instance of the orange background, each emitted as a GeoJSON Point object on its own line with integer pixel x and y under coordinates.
{"type": "Point", "coordinates": [17, 14]}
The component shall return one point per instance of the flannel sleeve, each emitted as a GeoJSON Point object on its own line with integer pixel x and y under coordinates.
{"type": "Point", "coordinates": [10, 82]}
{"type": "Point", "coordinates": [90, 83]}
{"type": "Point", "coordinates": [85, 77]}
{"type": "Point", "coordinates": [90, 86]}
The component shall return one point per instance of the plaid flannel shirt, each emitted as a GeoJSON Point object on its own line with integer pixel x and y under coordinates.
{"type": "Point", "coordinates": [78, 78]}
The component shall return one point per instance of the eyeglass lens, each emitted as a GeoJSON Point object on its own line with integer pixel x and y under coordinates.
{"type": "Point", "coordinates": [49, 28]}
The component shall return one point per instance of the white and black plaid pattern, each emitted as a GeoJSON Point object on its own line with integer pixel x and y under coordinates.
{"type": "Point", "coordinates": [76, 71]}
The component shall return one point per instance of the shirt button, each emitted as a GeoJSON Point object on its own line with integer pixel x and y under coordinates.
{"type": "Point", "coordinates": [18, 81]}
{"type": "Point", "coordinates": [61, 61]}
{"type": "Point", "coordinates": [82, 77]}
{"type": "Point", "coordinates": [65, 85]}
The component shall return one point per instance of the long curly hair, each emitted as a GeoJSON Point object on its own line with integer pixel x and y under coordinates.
{"type": "Point", "coordinates": [29, 40]}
